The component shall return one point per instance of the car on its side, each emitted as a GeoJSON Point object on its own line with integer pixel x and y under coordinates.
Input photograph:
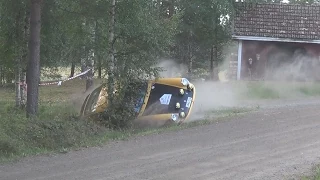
{"type": "Point", "coordinates": [159, 101]}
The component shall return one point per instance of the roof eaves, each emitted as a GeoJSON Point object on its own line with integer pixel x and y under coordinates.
{"type": "Point", "coordinates": [253, 38]}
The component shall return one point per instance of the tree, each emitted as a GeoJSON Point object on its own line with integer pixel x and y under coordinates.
{"type": "Point", "coordinates": [14, 31]}
{"type": "Point", "coordinates": [33, 68]}
{"type": "Point", "coordinates": [202, 34]}
{"type": "Point", "coordinates": [111, 63]}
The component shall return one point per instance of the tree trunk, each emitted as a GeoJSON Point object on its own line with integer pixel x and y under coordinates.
{"type": "Point", "coordinates": [171, 8]}
{"type": "Point", "coordinates": [111, 62]}
{"type": "Point", "coordinates": [96, 50]}
{"type": "Point", "coordinates": [18, 60]}
{"type": "Point", "coordinates": [17, 83]}
{"type": "Point", "coordinates": [216, 55]}
{"type": "Point", "coordinates": [83, 59]}
{"type": "Point", "coordinates": [24, 59]}
{"type": "Point", "coordinates": [1, 81]}
{"type": "Point", "coordinates": [17, 73]}
{"type": "Point", "coordinates": [89, 65]}
{"type": "Point", "coordinates": [211, 63]}
{"type": "Point", "coordinates": [33, 69]}
{"type": "Point", "coordinates": [91, 58]}
{"type": "Point", "coordinates": [23, 89]}
{"type": "Point", "coordinates": [73, 66]}
{"type": "Point", "coordinates": [190, 62]}
{"type": "Point", "coordinates": [99, 66]}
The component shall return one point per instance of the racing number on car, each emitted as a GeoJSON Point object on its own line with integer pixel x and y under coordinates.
{"type": "Point", "coordinates": [165, 99]}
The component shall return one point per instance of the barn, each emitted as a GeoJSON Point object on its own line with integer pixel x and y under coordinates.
{"type": "Point", "coordinates": [276, 42]}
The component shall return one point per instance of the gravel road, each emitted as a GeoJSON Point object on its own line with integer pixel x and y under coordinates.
{"type": "Point", "coordinates": [272, 143]}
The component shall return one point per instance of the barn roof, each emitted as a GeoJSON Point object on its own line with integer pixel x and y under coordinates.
{"type": "Point", "coordinates": [267, 21]}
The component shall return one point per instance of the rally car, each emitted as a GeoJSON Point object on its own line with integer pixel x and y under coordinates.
{"type": "Point", "coordinates": [161, 101]}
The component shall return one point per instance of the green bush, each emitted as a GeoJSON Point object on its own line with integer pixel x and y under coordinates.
{"type": "Point", "coordinates": [120, 114]}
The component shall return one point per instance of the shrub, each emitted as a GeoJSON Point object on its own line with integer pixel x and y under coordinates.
{"type": "Point", "coordinates": [121, 113]}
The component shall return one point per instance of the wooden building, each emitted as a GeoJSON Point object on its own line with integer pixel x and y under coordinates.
{"type": "Point", "coordinates": [273, 37]}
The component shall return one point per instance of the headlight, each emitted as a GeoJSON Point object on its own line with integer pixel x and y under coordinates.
{"type": "Point", "coordinates": [174, 117]}
{"type": "Point", "coordinates": [190, 86]}
{"type": "Point", "coordinates": [181, 92]}
{"type": "Point", "coordinates": [178, 105]}
{"type": "Point", "coordinates": [184, 81]}
{"type": "Point", "coordinates": [182, 114]}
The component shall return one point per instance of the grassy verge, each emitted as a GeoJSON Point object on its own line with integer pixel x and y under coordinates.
{"type": "Point", "coordinates": [277, 90]}
{"type": "Point", "coordinates": [314, 176]}
{"type": "Point", "coordinates": [21, 137]}
{"type": "Point", "coordinates": [230, 111]}
{"type": "Point", "coordinates": [56, 129]}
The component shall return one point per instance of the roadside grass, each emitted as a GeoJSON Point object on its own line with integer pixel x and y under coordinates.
{"type": "Point", "coordinates": [278, 90]}
{"type": "Point", "coordinates": [310, 90]}
{"type": "Point", "coordinates": [315, 176]}
{"type": "Point", "coordinates": [260, 91]}
{"type": "Point", "coordinates": [57, 127]}
{"type": "Point", "coordinates": [230, 111]}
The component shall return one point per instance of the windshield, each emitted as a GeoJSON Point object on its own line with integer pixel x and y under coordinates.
{"type": "Point", "coordinates": [163, 99]}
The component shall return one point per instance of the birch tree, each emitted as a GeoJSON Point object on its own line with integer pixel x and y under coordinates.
{"type": "Point", "coordinates": [111, 62]}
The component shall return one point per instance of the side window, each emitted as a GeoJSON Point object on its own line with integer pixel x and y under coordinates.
{"type": "Point", "coordinates": [135, 94]}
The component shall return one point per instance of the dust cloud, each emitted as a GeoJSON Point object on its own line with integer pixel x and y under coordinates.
{"type": "Point", "coordinates": [292, 67]}
{"type": "Point", "coordinates": [284, 73]}
{"type": "Point", "coordinates": [172, 69]}
{"type": "Point", "coordinates": [210, 95]}
{"type": "Point", "coordinates": [213, 95]}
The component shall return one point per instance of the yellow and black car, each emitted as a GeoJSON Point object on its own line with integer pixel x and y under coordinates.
{"type": "Point", "coordinates": [160, 101]}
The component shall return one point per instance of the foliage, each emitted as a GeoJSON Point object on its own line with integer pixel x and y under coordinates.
{"type": "Point", "coordinates": [121, 114]}
{"type": "Point", "coordinates": [203, 25]}
{"type": "Point", "coordinates": [145, 32]}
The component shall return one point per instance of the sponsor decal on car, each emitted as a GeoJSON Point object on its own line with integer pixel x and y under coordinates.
{"type": "Point", "coordinates": [189, 101]}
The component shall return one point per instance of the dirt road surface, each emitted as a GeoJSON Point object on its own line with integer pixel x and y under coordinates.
{"type": "Point", "coordinates": [272, 143]}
